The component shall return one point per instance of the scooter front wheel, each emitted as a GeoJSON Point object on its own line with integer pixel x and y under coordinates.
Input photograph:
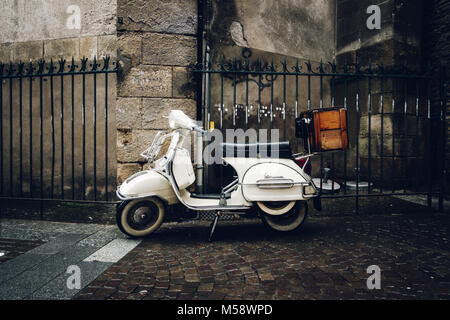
{"type": "Point", "coordinates": [140, 217]}
{"type": "Point", "coordinates": [289, 221]}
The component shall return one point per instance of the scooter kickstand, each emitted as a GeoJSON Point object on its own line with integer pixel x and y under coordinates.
{"type": "Point", "coordinates": [213, 227]}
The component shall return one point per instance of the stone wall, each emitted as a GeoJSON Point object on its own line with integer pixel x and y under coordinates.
{"type": "Point", "coordinates": [392, 155]}
{"type": "Point", "coordinates": [157, 42]}
{"type": "Point", "coordinates": [88, 47]}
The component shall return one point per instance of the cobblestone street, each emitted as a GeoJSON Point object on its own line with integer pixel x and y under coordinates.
{"type": "Point", "coordinates": [327, 259]}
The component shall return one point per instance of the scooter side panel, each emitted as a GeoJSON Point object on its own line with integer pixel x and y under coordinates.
{"type": "Point", "coordinates": [273, 181]}
{"type": "Point", "coordinates": [145, 184]}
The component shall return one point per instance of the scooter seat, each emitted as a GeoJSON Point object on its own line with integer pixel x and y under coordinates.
{"type": "Point", "coordinates": [254, 150]}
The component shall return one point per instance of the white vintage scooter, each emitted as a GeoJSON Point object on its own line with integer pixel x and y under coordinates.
{"type": "Point", "coordinates": [278, 187]}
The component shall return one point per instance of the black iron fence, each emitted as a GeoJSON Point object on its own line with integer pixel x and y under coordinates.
{"type": "Point", "coordinates": [57, 131]}
{"type": "Point", "coordinates": [397, 126]}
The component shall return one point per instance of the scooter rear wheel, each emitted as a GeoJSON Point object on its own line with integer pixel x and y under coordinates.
{"type": "Point", "coordinates": [287, 222]}
{"type": "Point", "coordinates": [140, 217]}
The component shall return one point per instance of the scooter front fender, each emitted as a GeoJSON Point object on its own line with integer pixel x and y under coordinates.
{"type": "Point", "coordinates": [149, 183]}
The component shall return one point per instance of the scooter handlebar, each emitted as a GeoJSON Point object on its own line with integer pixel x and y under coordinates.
{"type": "Point", "coordinates": [199, 130]}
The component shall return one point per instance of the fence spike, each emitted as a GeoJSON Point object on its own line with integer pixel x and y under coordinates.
{"type": "Point", "coordinates": [333, 66]}
{"type": "Point", "coordinates": [62, 63]}
{"type": "Point", "coordinates": [94, 64]}
{"type": "Point", "coordinates": [321, 66]}
{"type": "Point", "coordinates": [308, 65]}
{"type": "Point", "coordinates": [84, 64]}
{"type": "Point", "coordinates": [30, 68]}
{"type": "Point", "coordinates": [107, 59]}
{"type": "Point", "coordinates": [51, 67]}
{"type": "Point", "coordinates": [72, 66]}
{"type": "Point", "coordinates": [21, 67]}
{"type": "Point", "coordinates": [297, 67]}
{"type": "Point", "coordinates": [41, 66]}
{"type": "Point", "coordinates": [284, 63]}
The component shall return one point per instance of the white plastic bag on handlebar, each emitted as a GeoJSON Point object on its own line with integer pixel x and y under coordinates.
{"type": "Point", "coordinates": [179, 120]}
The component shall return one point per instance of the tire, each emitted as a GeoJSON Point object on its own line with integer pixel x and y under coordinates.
{"type": "Point", "coordinates": [140, 217]}
{"type": "Point", "coordinates": [276, 208]}
{"type": "Point", "coordinates": [287, 222]}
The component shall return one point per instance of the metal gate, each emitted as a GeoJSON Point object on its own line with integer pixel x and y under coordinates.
{"type": "Point", "coordinates": [397, 119]}
{"type": "Point", "coordinates": [57, 131]}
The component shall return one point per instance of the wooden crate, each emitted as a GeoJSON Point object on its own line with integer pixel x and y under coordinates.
{"type": "Point", "coordinates": [326, 129]}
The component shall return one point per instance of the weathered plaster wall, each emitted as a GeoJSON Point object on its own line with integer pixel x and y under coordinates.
{"type": "Point", "coordinates": [296, 28]}
{"type": "Point", "coordinates": [157, 41]}
{"type": "Point", "coordinates": [31, 20]}
{"type": "Point", "coordinates": [37, 29]}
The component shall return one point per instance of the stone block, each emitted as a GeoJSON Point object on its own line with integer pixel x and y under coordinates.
{"type": "Point", "coordinates": [147, 81]}
{"type": "Point", "coordinates": [62, 48]}
{"type": "Point", "coordinates": [155, 109]}
{"type": "Point", "coordinates": [391, 124]}
{"type": "Point", "coordinates": [6, 52]}
{"type": "Point", "coordinates": [403, 147]}
{"type": "Point", "coordinates": [158, 16]}
{"type": "Point", "coordinates": [26, 51]}
{"type": "Point", "coordinates": [88, 47]}
{"type": "Point", "coordinates": [107, 46]}
{"type": "Point", "coordinates": [126, 170]}
{"type": "Point", "coordinates": [166, 49]}
{"type": "Point", "coordinates": [130, 48]}
{"type": "Point", "coordinates": [183, 83]}
{"type": "Point", "coordinates": [128, 113]}
{"type": "Point", "coordinates": [131, 143]}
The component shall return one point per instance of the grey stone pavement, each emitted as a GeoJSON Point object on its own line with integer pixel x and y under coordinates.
{"type": "Point", "coordinates": [326, 259]}
{"type": "Point", "coordinates": [41, 273]}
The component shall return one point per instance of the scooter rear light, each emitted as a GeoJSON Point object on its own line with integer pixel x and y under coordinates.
{"type": "Point", "coordinates": [304, 164]}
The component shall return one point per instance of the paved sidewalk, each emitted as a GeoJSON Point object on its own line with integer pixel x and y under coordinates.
{"type": "Point", "coordinates": [38, 253]}
{"type": "Point", "coordinates": [12, 248]}
{"type": "Point", "coordinates": [327, 259]}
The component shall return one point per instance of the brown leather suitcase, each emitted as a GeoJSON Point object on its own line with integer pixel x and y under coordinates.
{"type": "Point", "coordinates": [323, 129]}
